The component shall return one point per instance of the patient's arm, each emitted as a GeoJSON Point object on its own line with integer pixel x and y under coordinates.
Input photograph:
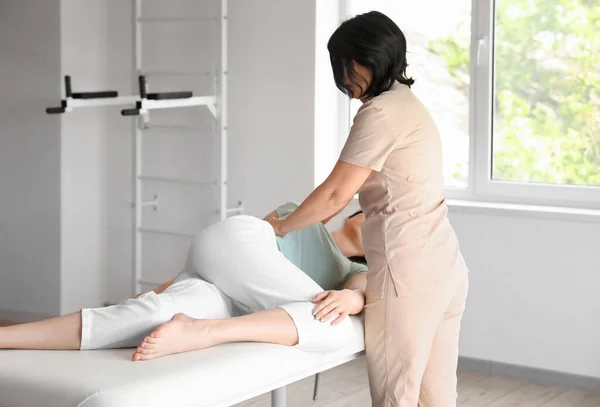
{"type": "Point", "coordinates": [358, 285]}
{"type": "Point", "coordinates": [339, 304]}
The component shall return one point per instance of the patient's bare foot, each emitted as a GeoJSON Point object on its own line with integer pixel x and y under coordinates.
{"type": "Point", "coordinates": [181, 334]}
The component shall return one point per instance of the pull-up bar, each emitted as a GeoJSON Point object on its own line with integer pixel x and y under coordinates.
{"type": "Point", "coordinates": [69, 95]}
{"type": "Point", "coordinates": [142, 84]}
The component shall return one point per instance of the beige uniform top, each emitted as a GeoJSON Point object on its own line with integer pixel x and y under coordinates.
{"type": "Point", "coordinates": [407, 233]}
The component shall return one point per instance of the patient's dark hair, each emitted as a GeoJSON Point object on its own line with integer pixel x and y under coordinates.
{"type": "Point", "coordinates": [374, 41]}
{"type": "Point", "coordinates": [357, 259]}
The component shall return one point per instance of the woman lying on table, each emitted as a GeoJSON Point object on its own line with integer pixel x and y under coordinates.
{"type": "Point", "coordinates": [240, 283]}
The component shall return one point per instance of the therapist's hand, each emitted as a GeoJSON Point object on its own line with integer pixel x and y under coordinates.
{"type": "Point", "coordinates": [338, 305]}
{"type": "Point", "coordinates": [277, 225]}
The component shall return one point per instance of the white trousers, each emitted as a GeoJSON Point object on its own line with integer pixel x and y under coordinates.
{"type": "Point", "coordinates": [234, 264]}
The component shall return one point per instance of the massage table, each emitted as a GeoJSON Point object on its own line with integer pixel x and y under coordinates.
{"type": "Point", "coordinates": [217, 377]}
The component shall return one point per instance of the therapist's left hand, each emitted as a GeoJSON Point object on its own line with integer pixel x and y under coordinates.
{"type": "Point", "coordinates": [277, 225]}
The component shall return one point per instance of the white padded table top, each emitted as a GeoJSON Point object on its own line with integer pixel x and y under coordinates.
{"type": "Point", "coordinates": [219, 376]}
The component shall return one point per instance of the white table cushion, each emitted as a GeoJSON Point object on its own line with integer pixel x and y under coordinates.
{"type": "Point", "coordinates": [219, 376]}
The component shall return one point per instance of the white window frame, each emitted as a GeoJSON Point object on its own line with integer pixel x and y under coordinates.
{"type": "Point", "coordinates": [481, 187]}
{"type": "Point", "coordinates": [344, 101]}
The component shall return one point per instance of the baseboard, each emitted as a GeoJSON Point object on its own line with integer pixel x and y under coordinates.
{"type": "Point", "coordinates": [530, 374]}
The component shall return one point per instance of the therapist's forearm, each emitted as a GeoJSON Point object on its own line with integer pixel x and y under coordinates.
{"type": "Point", "coordinates": [325, 221]}
{"type": "Point", "coordinates": [321, 204]}
{"type": "Point", "coordinates": [328, 199]}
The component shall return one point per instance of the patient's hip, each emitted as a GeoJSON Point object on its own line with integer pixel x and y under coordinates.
{"type": "Point", "coordinates": [240, 256]}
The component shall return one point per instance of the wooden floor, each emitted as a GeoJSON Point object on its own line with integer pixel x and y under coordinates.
{"type": "Point", "coordinates": [346, 386]}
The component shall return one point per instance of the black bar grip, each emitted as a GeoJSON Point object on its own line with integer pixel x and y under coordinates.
{"type": "Point", "coordinates": [169, 95]}
{"type": "Point", "coordinates": [130, 112]}
{"type": "Point", "coordinates": [68, 89]}
{"type": "Point", "coordinates": [55, 110]}
{"type": "Point", "coordinates": [105, 94]}
{"type": "Point", "coordinates": [143, 88]}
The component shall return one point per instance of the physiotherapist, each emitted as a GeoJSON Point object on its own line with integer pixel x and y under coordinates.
{"type": "Point", "coordinates": [417, 280]}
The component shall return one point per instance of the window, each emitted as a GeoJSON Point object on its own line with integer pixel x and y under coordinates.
{"type": "Point", "coordinates": [445, 92]}
{"type": "Point", "coordinates": [514, 87]}
{"type": "Point", "coordinates": [546, 92]}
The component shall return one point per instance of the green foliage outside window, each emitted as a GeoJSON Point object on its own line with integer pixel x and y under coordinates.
{"type": "Point", "coordinates": [547, 89]}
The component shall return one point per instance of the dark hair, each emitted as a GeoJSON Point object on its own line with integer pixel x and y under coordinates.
{"type": "Point", "coordinates": [357, 259]}
{"type": "Point", "coordinates": [374, 41]}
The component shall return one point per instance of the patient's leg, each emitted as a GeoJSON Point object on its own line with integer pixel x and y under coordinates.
{"type": "Point", "coordinates": [291, 325]}
{"type": "Point", "coordinates": [61, 333]}
{"type": "Point", "coordinates": [119, 326]}
{"type": "Point", "coordinates": [125, 325]}
{"type": "Point", "coordinates": [184, 334]}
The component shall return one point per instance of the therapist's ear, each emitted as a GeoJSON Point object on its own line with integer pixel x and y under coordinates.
{"type": "Point", "coordinates": [366, 78]}
{"type": "Point", "coordinates": [358, 80]}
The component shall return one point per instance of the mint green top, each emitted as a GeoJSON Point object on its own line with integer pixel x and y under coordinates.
{"type": "Point", "coordinates": [313, 251]}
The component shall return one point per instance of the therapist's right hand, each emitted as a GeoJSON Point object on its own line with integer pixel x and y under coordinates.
{"type": "Point", "coordinates": [277, 225]}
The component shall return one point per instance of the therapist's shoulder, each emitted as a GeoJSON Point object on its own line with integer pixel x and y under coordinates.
{"type": "Point", "coordinates": [388, 104]}
{"type": "Point", "coordinates": [397, 96]}
{"type": "Point", "coordinates": [401, 109]}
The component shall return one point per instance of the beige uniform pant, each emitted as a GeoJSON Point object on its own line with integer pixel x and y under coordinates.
{"type": "Point", "coordinates": [412, 345]}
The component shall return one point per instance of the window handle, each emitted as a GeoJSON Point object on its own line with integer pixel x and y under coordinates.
{"type": "Point", "coordinates": [480, 47]}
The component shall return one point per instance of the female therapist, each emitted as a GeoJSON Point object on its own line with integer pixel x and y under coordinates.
{"type": "Point", "coordinates": [417, 280]}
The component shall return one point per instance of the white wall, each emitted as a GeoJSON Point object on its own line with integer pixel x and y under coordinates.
{"type": "Point", "coordinates": [29, 156]}
{"type": "Point", "coordinates": [330, 104]}
{"type": "Point", "coordinates": [83, 53]}
{"type": "Point", "coordinates": [119, 152]}
{"type": "Point", "coordinates": [533, 297]}
{"type": "Point", "coordinates": [52, 251]}
{"type": "Point", "coordinates": [271, 102]}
